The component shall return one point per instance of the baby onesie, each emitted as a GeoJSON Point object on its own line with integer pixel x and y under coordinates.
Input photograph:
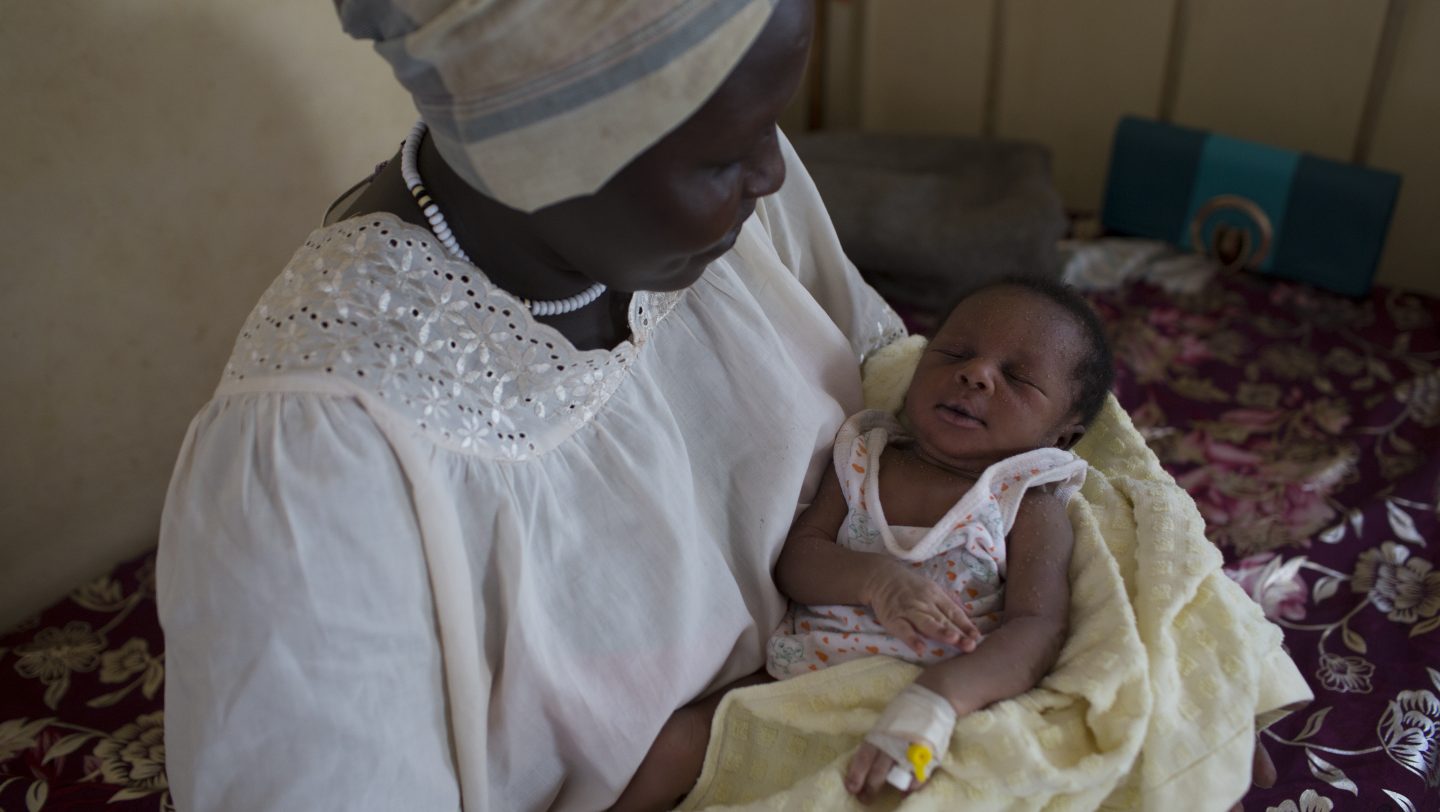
{"type": "Point", "coordinates": [964, 552]}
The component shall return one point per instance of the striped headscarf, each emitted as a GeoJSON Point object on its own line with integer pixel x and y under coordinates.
{"type": "Point", "coordinates": [536, 101]}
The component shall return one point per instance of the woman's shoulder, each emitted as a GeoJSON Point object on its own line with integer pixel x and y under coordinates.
{"type": "Point", "coordinates": [797, 230]}
{"type": "Point", "coordinates": [372, 306]}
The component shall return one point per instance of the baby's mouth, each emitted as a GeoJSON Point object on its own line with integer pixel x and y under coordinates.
{"type": "Point", "coordinates": [957, 414]}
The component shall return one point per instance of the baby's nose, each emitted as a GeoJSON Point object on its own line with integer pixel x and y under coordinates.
{"type": "Point", "coordinates": [978, 374]}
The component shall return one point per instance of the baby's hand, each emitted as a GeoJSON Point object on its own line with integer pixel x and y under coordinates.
{"type": "Point", "coordinates": [866, 773]}
{"type": "Point", "coordinates": [911, 607]}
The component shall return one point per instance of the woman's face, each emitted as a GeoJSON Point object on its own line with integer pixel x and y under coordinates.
{"type": "Point", "coordinates": [679, 205]}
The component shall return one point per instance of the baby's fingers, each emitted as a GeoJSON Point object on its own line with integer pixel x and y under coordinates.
{"type": "Point", "coordinates": [938, 627]}
{"type": "Point", "coordinates": [969, 633]}
{"type": "Point", "coordinates": [904, 630]}
{"type": "Point", "coordinates": [875, 778]}
{"type": "Point", "coordinates": [907, 631]}
{"type": "Point", "coordinates": [859, 768]}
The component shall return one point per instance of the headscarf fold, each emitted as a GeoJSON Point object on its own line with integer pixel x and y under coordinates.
{"type": "Point", "coordinates": [536, 101]}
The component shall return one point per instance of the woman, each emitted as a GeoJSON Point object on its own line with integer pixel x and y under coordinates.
{"type": "Point", "coordinates": [466, 524]}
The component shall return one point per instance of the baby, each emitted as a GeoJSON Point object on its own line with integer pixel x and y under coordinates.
{"type": "Point", "coordinates": [963, 545]}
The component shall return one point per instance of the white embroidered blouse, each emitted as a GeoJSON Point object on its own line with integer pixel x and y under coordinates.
{"type": "Point", "coordinates": [421, 552]}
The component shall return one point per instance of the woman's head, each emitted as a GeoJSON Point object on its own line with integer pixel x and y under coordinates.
{"type": "Point", "coordinates": [1018, 365]}
{"type": "Point", "coordinates": [624, 141]}
{"type": "Point", "coordinates": [679, 205]}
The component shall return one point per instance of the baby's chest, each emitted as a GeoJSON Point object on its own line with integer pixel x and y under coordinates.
{"type": "Point", "coordinates": [936, 519]}
{"type": "Point", "coordinates": [966, 552]}
{"type": "Point", "coordinates": [916, 499]}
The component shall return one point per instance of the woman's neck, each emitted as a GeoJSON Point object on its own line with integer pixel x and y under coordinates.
{"type": "Point", "coordinates": [502, 244]}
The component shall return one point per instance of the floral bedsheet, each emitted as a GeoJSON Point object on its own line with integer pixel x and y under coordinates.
{"type": "Point", "coordinates": [81, 724]}
{"type": "Point", "coordinates": [1307, 426]}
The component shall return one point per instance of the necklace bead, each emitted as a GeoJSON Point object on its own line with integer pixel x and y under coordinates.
{"type": "Point", "coordinates": [410, 171]}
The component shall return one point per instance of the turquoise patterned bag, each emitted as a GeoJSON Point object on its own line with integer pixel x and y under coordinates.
{"type": "Point", "coordinates": [1271, 210]}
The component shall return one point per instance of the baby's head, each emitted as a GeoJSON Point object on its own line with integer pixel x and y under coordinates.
{"type": "Point", "coordinates": [1019, 364]}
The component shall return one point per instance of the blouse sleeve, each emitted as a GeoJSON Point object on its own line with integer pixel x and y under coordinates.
{"type": "Point", "coordinates": [303, 668]}
{"type": "Point", "coordinates": [806, 242]}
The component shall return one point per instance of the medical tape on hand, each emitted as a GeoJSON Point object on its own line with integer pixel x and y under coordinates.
{"type": "Point", "coordinates": [915, 731]}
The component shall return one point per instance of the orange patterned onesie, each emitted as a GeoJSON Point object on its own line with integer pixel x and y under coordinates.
{"type": "Point", "coordinates": [964, 551]}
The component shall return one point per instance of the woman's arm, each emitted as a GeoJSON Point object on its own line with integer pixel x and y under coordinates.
{"type": "Point", "coordinates": [303, 666]}
{"type": "Point", "coordinates": [673, 764]}
{"type": "Point", "coordinates": [805, 240]}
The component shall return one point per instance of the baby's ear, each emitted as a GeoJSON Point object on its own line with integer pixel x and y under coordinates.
{"type": "Point", "coordinates": [1069, 436]}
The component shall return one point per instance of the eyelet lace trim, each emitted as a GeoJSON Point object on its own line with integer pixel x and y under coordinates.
{"type": "Point", "coordinates": [376, 301]}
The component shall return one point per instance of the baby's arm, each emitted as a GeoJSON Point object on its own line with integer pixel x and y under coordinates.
{"type": "Point", "coordinates": [1013, 658]}
{"type": "Point", "coordinates": [814, 570]}
{"type": "Point", "coordinates": [1016, 655]}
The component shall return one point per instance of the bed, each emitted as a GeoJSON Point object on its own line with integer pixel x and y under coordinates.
{"type": "Point", "coordinates": [81, 690]}
{"type": "Point", "coordinates": [1307, 428]}
{"type": "Point", "coordinates": [1305, 424]}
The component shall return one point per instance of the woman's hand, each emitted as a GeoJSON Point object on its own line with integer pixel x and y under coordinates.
{"type": "Point", "coordinates": [911, 607]}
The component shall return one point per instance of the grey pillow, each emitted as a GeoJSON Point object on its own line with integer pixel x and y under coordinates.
{"type": "Point", "coordinates": [928, 218]}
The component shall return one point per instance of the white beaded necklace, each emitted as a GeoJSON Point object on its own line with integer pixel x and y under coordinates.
{"type": "Point", "coordinates": [410, 171]}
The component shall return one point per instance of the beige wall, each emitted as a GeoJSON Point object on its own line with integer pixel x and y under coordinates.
{"type": "Point", "coordinates": [161, 162]}
{"type": "Point", "coordinates": [1406, 139]}
{"type": "Point", "coordinates": [1345, 79]}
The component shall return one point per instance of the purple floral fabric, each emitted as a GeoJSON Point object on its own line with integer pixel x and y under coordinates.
{"type": "Point", "coordinates": [81, 724]}
{"type": "Point", "coordinates": [1307, 427]}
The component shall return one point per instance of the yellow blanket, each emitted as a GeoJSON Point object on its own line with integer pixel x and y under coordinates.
{"type": "Point", "coordinates": [1152, 705]}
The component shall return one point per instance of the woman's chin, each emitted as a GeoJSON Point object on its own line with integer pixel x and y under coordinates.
{"type": "Point", "coordinates": [684, 274]}
{"type": "Point", "coordinates": [679, 274]}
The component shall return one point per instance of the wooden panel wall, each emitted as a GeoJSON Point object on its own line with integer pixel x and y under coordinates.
{"type": "Point", "coordinates": [1407, 140]}
{"type": "Point", "coordinates": [1067, 91]}
{"type": "Point", "coordinates": [925, 65]}
{"type": "Point", "coordinates": [1287, 72]}
{"type": "Point", "coordinates": [843, 28]}
{"type": "Point", "coordinates": [1346, 79]}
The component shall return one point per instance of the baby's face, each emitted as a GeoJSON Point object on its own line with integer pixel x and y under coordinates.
{"type": "Point", "coordinates": [997, 380]}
